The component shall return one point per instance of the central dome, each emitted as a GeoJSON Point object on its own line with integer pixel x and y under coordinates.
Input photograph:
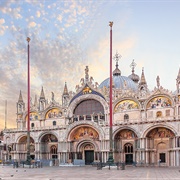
{"type": "Point", "coordinates": [120, 82]}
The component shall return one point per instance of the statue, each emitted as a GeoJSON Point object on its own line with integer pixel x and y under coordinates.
{"type": "Point", "coordinates": [52, 96]}
{"type": "Point", "coordinates": [158, 81]}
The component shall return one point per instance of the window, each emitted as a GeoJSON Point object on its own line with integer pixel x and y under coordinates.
{"type": "Point", "coordinates": [54, 123]}
{"type": "Point", "coordinates": [128, 148]}
{"type": "Point", "coordinates": [89, 107]}
{"type": "Point", "coordinates": [159, 114]}
{"type": "Point", "coordinates": [126, 117]}
{"type": "Point", "coordinates": [32, 125]}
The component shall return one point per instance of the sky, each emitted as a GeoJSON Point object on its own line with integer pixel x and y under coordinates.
{"type": "Point", "coordinates": [68, 35]}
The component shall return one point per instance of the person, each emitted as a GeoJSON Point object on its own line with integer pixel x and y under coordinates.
{"type": "Point", "coordinates": [159, 161]}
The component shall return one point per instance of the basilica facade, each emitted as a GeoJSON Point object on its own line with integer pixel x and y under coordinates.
{"type": "Point", "coordinates": [145, 127]}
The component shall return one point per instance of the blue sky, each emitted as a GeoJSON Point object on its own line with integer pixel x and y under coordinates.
{"type": "Point", "coordinates": [68, 35]}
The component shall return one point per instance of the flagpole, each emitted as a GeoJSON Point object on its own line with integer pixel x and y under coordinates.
{"type": "Point", "coordinates": [110, 159]}
{"type": "Point", "coordinates": [28, 115]}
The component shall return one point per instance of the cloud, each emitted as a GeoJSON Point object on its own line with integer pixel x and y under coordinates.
{"type": "Point", "coordinates": [38, 14]}
{"type": "Point", "coordinates": [2, 27]}
{"type": "Point", "coordinates": [32, 24]}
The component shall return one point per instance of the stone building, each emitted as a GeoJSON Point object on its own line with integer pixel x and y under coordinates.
{"type": "Point", "coordinates": [146, 123]}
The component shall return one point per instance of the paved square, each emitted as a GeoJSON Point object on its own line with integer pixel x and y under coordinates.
{"type": "Point", "coordinates": [88, 172]}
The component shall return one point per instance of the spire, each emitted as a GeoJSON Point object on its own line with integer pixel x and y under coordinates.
{"type": "Point", "coordinates": [178, 82]}
{"type": "Point", "coordinates": [20, 97]}
{"type": "Point", "coordinates": [143, 80]}
{"type": "Point", "coordinates": [42, 96]}
{"type": "Point", "coordinates": [178, 77]}
{"type": "Point", "coordinates": [65, 92]}
{"type": "Point", "coordinates": [117, 72]}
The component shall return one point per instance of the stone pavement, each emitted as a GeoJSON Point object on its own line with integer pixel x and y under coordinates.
{"type": "Point", "coordinates": [88, 173]}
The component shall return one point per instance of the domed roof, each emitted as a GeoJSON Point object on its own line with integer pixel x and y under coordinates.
{"type": "Point", "coordinates": [120, 82]}
{"type": "Point", "coordinates": [134, 77]}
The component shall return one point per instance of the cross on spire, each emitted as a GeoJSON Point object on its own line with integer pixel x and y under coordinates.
{"type": "Point", "coordinates": [133, 65]}
{"type": "Point", "coordinates": [117, 57]}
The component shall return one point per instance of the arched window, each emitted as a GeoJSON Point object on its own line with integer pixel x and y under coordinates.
{"type": "Point", "coordinates": [32, 125]}
{"type": "Point", "coordinates": [89, 107]}
{"type": "Point", "coordinates": [126, 117]}
{"type": "Point", "coordinates": [54, 123]}
{"type": "Point", "coordinates": [53, 149]}
{"type": "Point", "coordinates": [128, 148]}
{"type": "Point", "coordinates": [159, 114]}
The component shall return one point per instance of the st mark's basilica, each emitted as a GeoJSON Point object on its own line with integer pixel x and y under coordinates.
{"type": "Point", "coordinates": [145, 127]}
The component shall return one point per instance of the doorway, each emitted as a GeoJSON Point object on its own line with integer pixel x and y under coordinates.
{"type": "Point", "coordinates": [162, 157]}
{"type": "Point", "coordinates": [89, 157]}
{"type": "Point", "coordinates": [129, 158]}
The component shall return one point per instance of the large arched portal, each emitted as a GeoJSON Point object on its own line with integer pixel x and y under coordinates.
{"type": "Point", "coordinates": [49, 146]}
{"type": "Point", "coordinates": [84, 144]}
{"type": "Point", "coordinates": [160, 141]}
{"type": "Point", "coordinates": [124, 145]}
{"type": "Point", "coordinates": [22, 148]}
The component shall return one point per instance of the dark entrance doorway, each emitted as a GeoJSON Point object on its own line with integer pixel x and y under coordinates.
{"type": "Point", "coordinates": [162, 157]}
{"type": "Point", "coordinates": [54, 156]}
{"type": "Point", "coordinates": [129, 158]}
{"type": "Point", "coordinates": [32, 157]}
{"type": "Point", "coordinates": [89, 157]}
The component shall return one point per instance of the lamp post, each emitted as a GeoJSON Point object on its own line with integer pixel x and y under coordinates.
{"type": "Point", "coordinates": [110, 159]}
{"type": "Point", "coordinates": [28, 102]}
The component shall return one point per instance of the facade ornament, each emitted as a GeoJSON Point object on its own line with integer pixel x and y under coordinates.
{"type": "Point", "coordinates": [158, 81]}
{"type": "Point", "coordinates": [82, 81]}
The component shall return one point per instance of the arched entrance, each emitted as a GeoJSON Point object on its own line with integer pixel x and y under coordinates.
{"type": "Point", "coordinates": [160, 141]}
{"type": "Point", "coordinates": [87, 150]}
{"type": "Point", "coordinates": [22, 147]}
{"type": "Point", "coordinates": [124, 145]}
{"type": "Point", "coordinates": [128, 150]}
{"type": "Point", "coordinates": [84, 142]}
{"type": "Point", "coordinates": [48, 146]}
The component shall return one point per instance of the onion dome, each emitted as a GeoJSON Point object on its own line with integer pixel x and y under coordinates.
{"type": "Point", "coordinates": [133, 76]}
{"type": "Point", "coordinates": [119, 82]}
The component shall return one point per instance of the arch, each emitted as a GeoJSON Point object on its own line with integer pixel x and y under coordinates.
{"type": "Point", "coordinates": [128, 148]}
{"type": "Point", "coordinates": [85, 123]}
{"type": "Point", "coordinates": [126, 104]}
{"type": "Point", "coordinates": [160, 132]}
{"type": "Point", "coordinates": [125, 134]}
{"type": "Point", "coordinates": [159, 101]}
{"type": "Point", "coordinates": [46, 133]}
{"type": "Point", "coordinates": [88, 107]}
{"type": "Point", "coordinates": [53, 149]}
{"type": "Point", "coordinates": [23, 139]}
{"type": "Point", "coordinates": [151, 127]}
{"type": "Point", "coordinates": [49, 138]}
{"type": "Point", "coordinates": [79, 99]}
{"type": "Point", "coordinates": [117, 131]}
{"type": "Point", "coordinates": [33, 116]}
{"type": "Point", "coordinates": [54, 112]}
{"type": "Point", "coordinates": [83, 132]}
{"type": "Point", "coordinates": [84, 142]}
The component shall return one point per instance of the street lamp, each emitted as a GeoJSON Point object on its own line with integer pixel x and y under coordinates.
{"type": "Point", "coordinates": [28, 114]}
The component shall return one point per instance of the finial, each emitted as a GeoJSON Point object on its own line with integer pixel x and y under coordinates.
{"type": "Point", "coordinates": [110, 23]}
{"type": "Point", "coordinates": [133, 65]}
{"type": "Point", "coordinates": [117, 57]}
{"type": "Point", "coordinates": [28, 39]}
